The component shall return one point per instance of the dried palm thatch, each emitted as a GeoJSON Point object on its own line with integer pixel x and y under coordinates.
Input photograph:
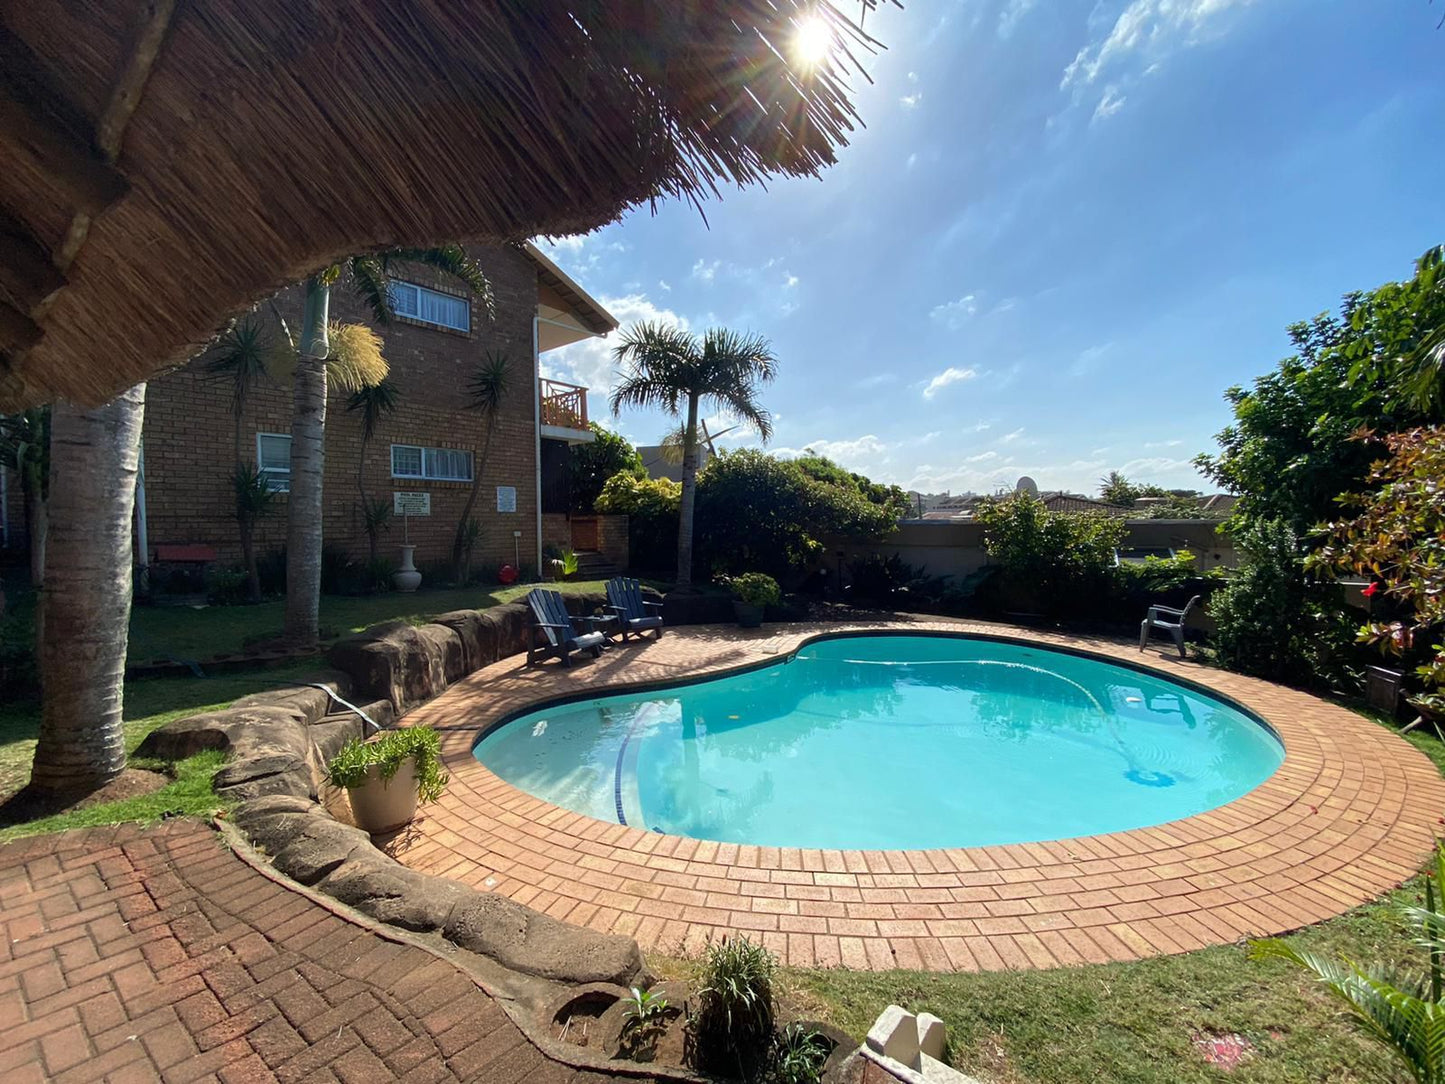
{"type": "Point", "coordinates": [353, 362]}
{"type": "Point", "coordinates": [169, 164]}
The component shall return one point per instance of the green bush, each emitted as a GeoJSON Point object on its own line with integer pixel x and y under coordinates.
{"type": "Point", "coordinates": [732, 1030]}
{"type": "Point", "coordinates": [376, 576]}
{"type": "Point", "coordinates": [1061, 563]}
{"type": "Point", "coordinates": [651, 506]}
{"type": "Point", "coordinates": [225, 586]}
{"type": "Point", "coordinates": [892, 581]}
{"type": "Point", "coordinates": [798, 1056]}
{"type": "Point", "coordinates": [1275, 623]}
{"type": "Point", "coordinates": [590, 466]}
{"type": "Point", "coordinates": [387, 752]}
{"type": "Point", "coordinates": [754, 589]}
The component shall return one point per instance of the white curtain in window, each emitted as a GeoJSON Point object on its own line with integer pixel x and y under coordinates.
{"type": "Point", "coordinates": [442, 309]}
{"type": "Point", "coordinates": [449, 464]}
{"type": "Point", "coordinates": [405, 461]}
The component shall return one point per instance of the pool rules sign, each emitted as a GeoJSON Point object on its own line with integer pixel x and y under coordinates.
{"type": "Point", "coordinates": [410, 504]}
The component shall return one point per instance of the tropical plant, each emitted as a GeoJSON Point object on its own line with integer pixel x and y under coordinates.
{"type": "Point", "coordinates": [671, 369]}
{"type": "Point", "coordinates": [734, 1020]}
{"type": "Point", "coordinates": [799, 1054]}
{"type": "Point", "coordinates": [571, 564]}
{"type": "Point", "coordinates": [387, 752]}
{"type": "Point", "coordinates": [1398, 541]}
{"type": "Point", "coordinates": [1273, 621]}
{"type": "Point", "coordinates": [486, 393]}
{"type": "Point", "coordinates": [372, 403]}
{"type": "Point", "coordinates": [254, 498]}
{"type": "Point", "coordinates": [1403, 1013]}
{"type": "Point", "coordinates": [370, 277]}
{"type": "Point", "coordinates": [641, 1006]}
{"type": "Point", "coordinates": [590, 465]}
{"type": "Point", "coordinates": [25, 449]}
{"type": "Point", "coordinates": [1058, 561]}
{"type": "Point", "coordinates": [377, 575]}
{"type": "Point", "coordinates": [1400, 338]}
{"type": "Point", "coordinates": [245, 356]}
{"type": "Point", "coordinates": [85, 607]}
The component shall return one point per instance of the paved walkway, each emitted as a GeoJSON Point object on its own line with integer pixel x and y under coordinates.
{"type": "Point", "coordinates": [133, 954]}
{"type": "Point", "coordinates": [1351, 813]}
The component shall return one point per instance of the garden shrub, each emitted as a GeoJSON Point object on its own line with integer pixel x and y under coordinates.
{"type": "Point", "coordinates": [1273, 622]}
{"type": "Point", "coordinates": [732, 1030]}
{"type": "Point", "coordinates": [651, 505]}
{"type": "Point", "coordinates": [225, 586]}
{"type": "Point", "coordinates": [1060, 563]}
{"type": "Point", "coordinates": [892, 581]}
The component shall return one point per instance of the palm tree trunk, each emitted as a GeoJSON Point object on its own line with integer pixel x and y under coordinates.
{"type": "Point", "coordinates": [304, 503]}
{"type": "Point", "coordinates": [37, 522]}
{"type": "Point", "coordinates": [85, 606]}
{"type": "Point", "coordinates": [308, 460]}
{"type": "Point", "coordinates": [461, 555]}
{"type": "Point", "coordinates": [689, 495]}
{"type": "Point", "coordinates": [248, 561]}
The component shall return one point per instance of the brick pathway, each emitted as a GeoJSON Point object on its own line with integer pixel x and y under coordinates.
{"type": "Point", "coordinates": [1351, 813]}
{"type": "Point", "coordinates": [133, 954]}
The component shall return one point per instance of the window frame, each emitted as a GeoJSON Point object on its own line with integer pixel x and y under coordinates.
{"type": "Point", "coordinates": [466, 304]}
{"type": "Point", "coordinates": [278, 479]}
{"type": "Point", "coordinates": [423, 476]}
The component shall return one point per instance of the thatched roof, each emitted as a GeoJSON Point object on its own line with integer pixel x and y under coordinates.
{"type": "Point", "coordinates": [166, 165]}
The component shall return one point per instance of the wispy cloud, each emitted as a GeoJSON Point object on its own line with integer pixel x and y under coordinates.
{"type": "Point", "coordinates": [705, 270]}
{"type": "Point", "coordinates": [589, 362]}
{"type": "Point", "coordinates": [1088, 360]}
{"type": "Point", "coordinates": [1011, 438]}
{"type": "Point", "coordinates": [1012, 13]}
{"type": "Point", "coordinates": [1109, 104]}
{"type": "Point", "coordinates": [954, 314]}
{"type": "Point", "coordinates": [910, 101]}
{"type": "Point", "coordinates": [951, 375]}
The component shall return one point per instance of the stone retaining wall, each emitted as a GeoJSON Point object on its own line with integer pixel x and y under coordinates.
{"type": "Point", "coordinates": [281, 741]}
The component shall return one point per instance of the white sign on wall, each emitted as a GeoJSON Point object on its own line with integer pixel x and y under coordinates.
{"type": "Point", "coordinates": [411, 504]}
{"type": "Point", "coordinates": [506, 498]}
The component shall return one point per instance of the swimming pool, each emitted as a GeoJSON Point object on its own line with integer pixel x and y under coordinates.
{"type": "Point", "coordinates": [893, 742]}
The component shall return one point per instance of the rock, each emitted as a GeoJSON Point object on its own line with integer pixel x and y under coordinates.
{"type": "Point", "coordinates": [313, 703]}
{"type": "Point", "coordinates": [330, 734]}
{"type": "Point", "coordinates": [514, 623]}
{"type": "Point", "coordinates": [320, 846]}
{"type": "Point", "coordinates": [273, 827]}
{"type": "Point", "coordinates": [524, 940]}
{"type": "Point", "coordinates": [467, 624]}
{"type": "Point", "coordinates": [194, 734]}
{"type": "Point", "coordinates": [392, 893]}
{"type": "Point", "coordinates": [395, 662]}
{"type": "Point", "coordinates": [445, 645]}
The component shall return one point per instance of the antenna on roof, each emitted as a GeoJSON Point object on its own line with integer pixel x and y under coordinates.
{"type": "Point", "coordinates": [1027, 485]}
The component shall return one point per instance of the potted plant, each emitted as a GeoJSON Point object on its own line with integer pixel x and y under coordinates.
{"type": "Point", "coordinates": [753, 593]}
{"type": "Point", "coordinates": [386, 775]}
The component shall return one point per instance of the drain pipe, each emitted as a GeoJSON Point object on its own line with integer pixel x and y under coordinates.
{"type": "Point", "coordinates": [142, 536]}
{"type": "Point", "coordinates": [537, 439]}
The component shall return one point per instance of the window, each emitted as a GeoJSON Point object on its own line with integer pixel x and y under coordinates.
{"type": "Point", "coordinates": [273, 460]}
{"type": "Point", "coordinates": [429, 306]}
{"type": "Point", "coordinates": [431, 464]}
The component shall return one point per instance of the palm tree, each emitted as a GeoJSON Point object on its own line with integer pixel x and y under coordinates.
{"type": "Point", "coordinates": [372, 403]}
{"type": "Point", "coordinates": [673, 370]}
{"type": "Point", "coordinates": [85, 607]}
{"type": "Point", "coordinates": [486, 392]}
{"type": "Point", "coordinates": [371, 279]}
{"type": "Point", "coordinates": [1404, 1013]}
{"type": "Point", "coordinates": [244, 359]}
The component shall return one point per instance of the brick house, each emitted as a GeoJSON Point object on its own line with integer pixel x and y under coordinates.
{"type": "Point", "coordinates": [426, 448]}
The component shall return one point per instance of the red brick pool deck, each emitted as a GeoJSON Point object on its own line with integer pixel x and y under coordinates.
{"type": "Point", "coordinates": [1350, 814]}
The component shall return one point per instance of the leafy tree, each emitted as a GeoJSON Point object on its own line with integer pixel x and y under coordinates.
{"type": "Point", "coordinates": [1398, 540]}
{"type": "Point", "coordinates": [591, 465]}
{"type": "Point", "coordinates": [486, 391]}
{"type": "Point", "coordinates": [1399, 340]}
{"type": "Point", "coordinates": [1288, 454]}
{"type": "Point", "coordinates": [370, 278]}
{"type": "Point", "coordinates": [756, 512]}
{"type": "Point", "coordinates": [1049, 560]}
{"type": "Point", "coordinates": [673, 370]}
{"type": "Point", "coordinates": [891, 497]}
{"type": "Point", "coordinates": [651, 507]}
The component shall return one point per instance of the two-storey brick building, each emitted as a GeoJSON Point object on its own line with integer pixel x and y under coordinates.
{"type": "Point", "coordinates": [426, 450]}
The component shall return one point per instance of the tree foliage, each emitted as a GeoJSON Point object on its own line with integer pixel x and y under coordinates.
{"type": "Point", "coordinates": [1288, 453]}
{"type": "Point", "coordinates": [1398, 541]}
{"type": "Point", "coordinates": [1046, 557]}
{"type": "Point", "coordinates": [1398, 340]}
{"type": "Point", "coordinates": [651, 505]}
{"type": "Point", "coordinates": [591, 465]}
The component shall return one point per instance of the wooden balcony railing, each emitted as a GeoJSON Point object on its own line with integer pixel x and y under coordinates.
{"type": "Point", "coordinates": [564, 405]}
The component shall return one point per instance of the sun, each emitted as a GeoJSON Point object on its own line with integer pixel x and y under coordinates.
{"type": "Point", "coordinates": [812, 41]}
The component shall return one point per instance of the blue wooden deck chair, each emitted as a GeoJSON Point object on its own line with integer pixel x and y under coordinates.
{"type": "Point", "coordinates": [553, 632]}
{"type": "Point", "coordinates": [624, 598]}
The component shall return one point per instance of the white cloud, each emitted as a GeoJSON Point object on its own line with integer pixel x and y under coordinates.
{"type": "Point", "coordinates": [1109, 104]}
{"type": "Point", "coordinates": [911, 161]}
{"type": "Point", "coordinates": [704, 270]}
{"type": "Point", "coordinates": [910, 101]}
{"type": "Point", "coordinates": [1163, 444]}
{"type": "Point", "coordinates": [864, 454]}
{"type": "Point", "coordinates": [951, 375]}
{"type": "Point", "coordinates": [954, 314]}
{"type": "Point", "coordinates": [1088, 360]}
{"type": "Point", "coordinates": [664, 285]}
{"type": "Point", "coordinates": [1009, 438]}
{"type": "Point", "coordinates": [789, 280]}
{"type": "Point", "coordinates": [1012, 13]}
{"type": "Point", "coordinates": [876, 380]}
{"type": "Point", "coordinates": [1149, 30]}
{"type": "Point", "coordinates": [982, 457]}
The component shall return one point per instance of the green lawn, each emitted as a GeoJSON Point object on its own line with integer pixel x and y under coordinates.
{"type": "Point", "coordinates": [162, 632]}
{"type": "Point", "coordinates": [1133, 1023]}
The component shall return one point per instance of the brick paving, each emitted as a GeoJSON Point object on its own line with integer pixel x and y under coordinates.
{"type": "Point", "coordinates": [133, 954]}
{"type": "Point", "coordinates": [1351, 813]}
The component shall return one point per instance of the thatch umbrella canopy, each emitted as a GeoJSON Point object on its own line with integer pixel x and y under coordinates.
{"type": "Point", "coordinates": [168, 163]}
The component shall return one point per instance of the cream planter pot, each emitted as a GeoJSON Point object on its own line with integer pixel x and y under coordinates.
{"type": "Point", "coordinates": [381, 805]}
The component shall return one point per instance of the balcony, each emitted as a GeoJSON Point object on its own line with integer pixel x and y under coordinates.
{"type": "Point", "coordinates": [564, 412]}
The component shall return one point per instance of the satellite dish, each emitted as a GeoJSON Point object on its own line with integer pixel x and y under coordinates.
{"type": "Point", "coordinates": [1027, 485]}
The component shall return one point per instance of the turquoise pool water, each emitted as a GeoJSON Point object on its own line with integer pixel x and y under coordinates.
{"type": "Point", "coordinates": [885, 742]}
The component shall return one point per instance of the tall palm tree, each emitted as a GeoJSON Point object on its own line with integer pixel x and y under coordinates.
{"type": "Point", "coordinates": [370, 277]}
{"type": "Point", "coordinates": [85, 607]}
{"type": "Point", "coordinates": [673, 370]}
{"type": "Point", "coordinates": [372, 403]}
{"type": "Point", "coordinates": [486, 391]}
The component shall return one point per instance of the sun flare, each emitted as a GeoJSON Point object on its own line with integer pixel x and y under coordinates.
{"type": "Point", "coordinates": [812, 41]}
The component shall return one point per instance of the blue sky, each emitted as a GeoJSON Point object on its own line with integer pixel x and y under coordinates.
{"type": "Point", "coordinates": [1065, 230]}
